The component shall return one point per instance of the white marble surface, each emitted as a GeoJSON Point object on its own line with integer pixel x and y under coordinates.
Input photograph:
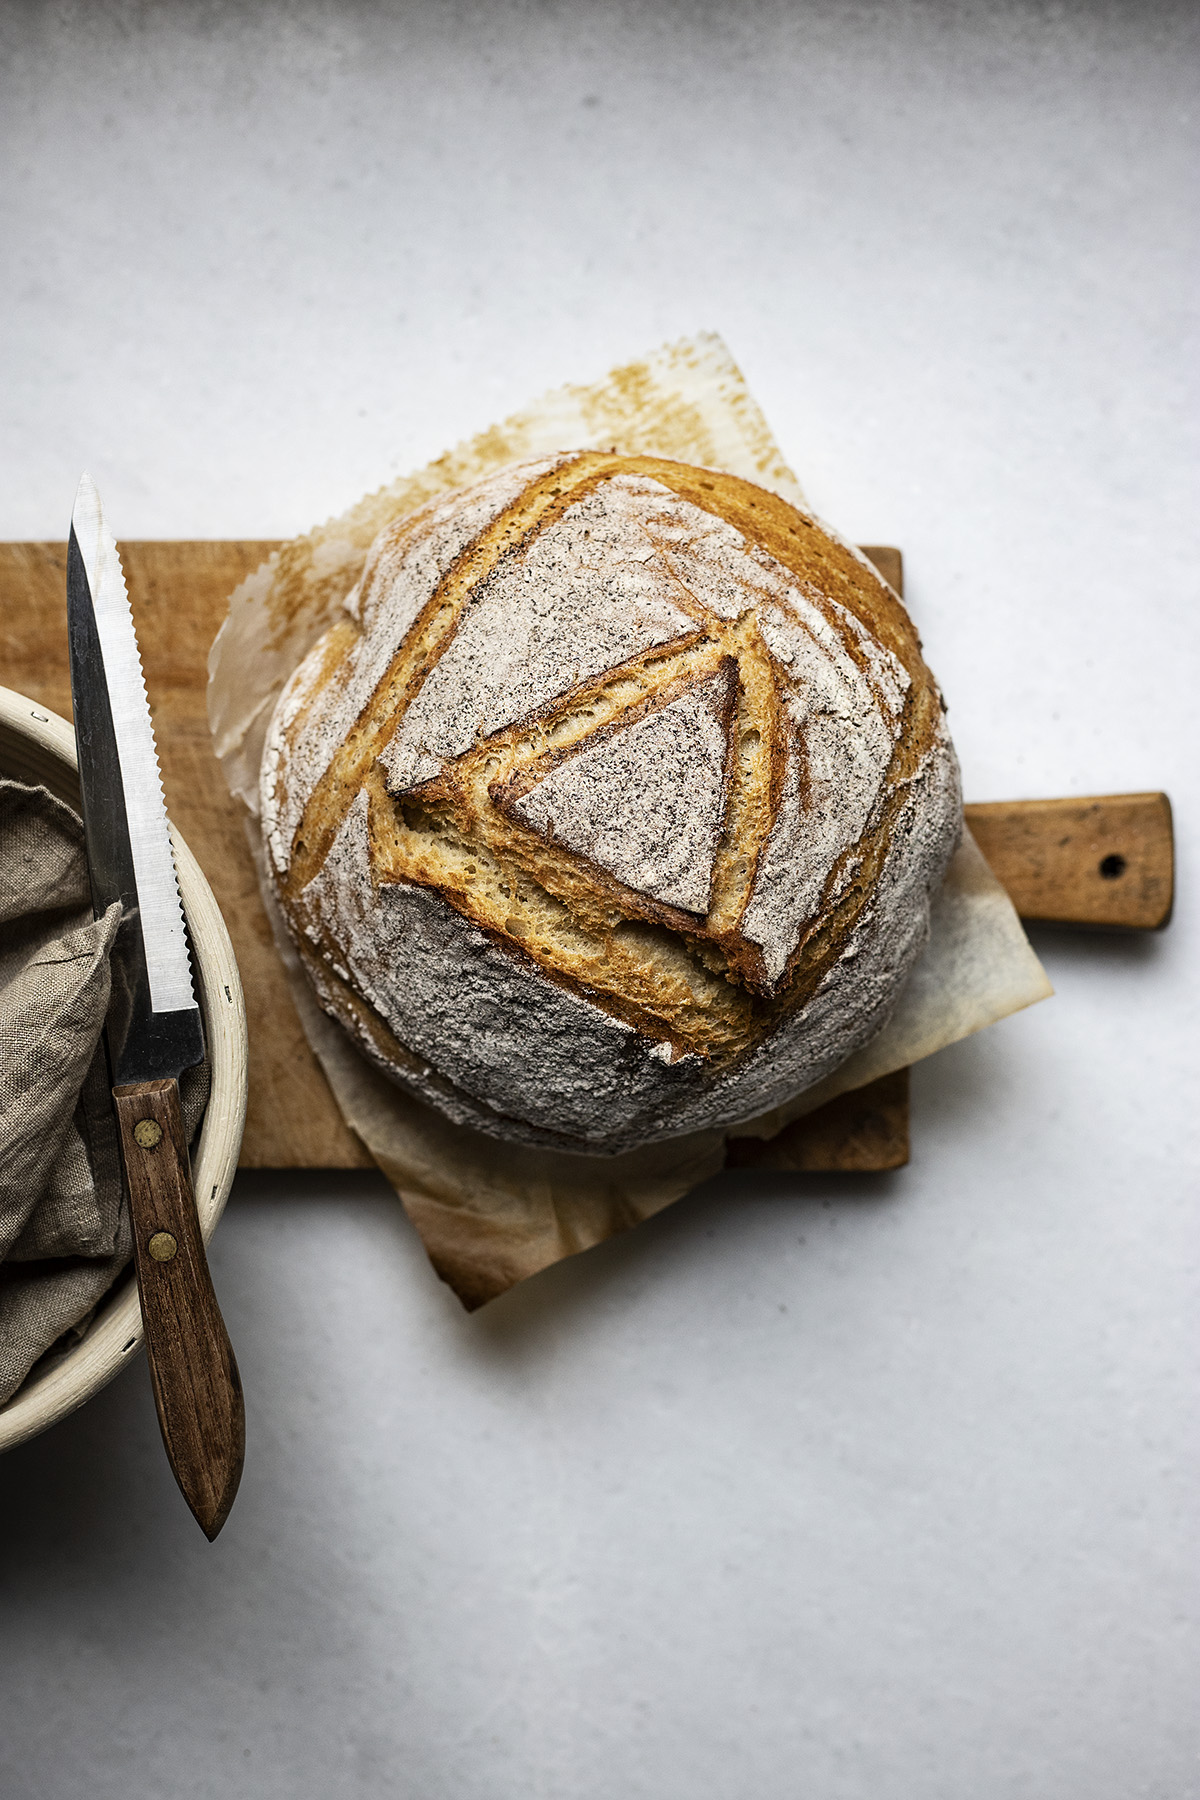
{"type": "Point", "coordinates": [859, 1489]}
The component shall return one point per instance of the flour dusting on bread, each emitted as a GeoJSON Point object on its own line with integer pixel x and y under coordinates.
{"type": "Point", "coordinates": [613, 806]}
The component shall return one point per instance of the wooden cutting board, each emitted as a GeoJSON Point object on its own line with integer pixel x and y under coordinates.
{"type": "Point", "coordinates": [1051, 854]}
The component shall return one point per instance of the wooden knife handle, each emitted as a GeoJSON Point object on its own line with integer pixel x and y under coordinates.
{"type": "Point", "coordinates": [197, 1388]}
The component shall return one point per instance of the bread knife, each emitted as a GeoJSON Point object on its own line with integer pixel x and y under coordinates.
{"type": "Point", "coordinates": [153, 1026]}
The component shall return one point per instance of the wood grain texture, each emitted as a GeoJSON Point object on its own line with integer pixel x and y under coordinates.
{"type": "Point", "coordinates": [890, 563]}
{"type": "Point", "coordinates": [197, 1388]}
{"type": "Point", "coordinates": [1104, 860]}
{"type": "Point", "coordinates": [860, 1131]}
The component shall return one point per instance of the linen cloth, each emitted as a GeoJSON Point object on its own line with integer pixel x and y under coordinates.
{"type": "Point", "coordinates": [64, 1222]}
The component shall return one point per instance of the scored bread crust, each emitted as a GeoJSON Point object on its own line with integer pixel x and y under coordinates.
{"type": "Point", "coordinates": [613, 807]}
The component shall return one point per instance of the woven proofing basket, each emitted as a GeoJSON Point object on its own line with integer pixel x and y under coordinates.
{"type": "Point", "coordinates": [37, 746]}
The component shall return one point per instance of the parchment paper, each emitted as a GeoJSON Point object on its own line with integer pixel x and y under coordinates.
{"type": "Point", "coordinates": [491, 1213]}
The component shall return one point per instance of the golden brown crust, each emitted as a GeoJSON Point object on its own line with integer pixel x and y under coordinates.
{"type": "Point", "coordinates": [700, 986]}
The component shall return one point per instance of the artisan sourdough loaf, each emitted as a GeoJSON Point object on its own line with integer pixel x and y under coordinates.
{"type": "Point", "coordinates": [613, 806]}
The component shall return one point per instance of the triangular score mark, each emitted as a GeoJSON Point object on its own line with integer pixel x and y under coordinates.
{"type": "Point", "coordinates": [644, 797]}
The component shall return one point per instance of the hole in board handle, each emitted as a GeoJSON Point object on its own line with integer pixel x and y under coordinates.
{"type": "Point", "coordinates": [1113, 867]}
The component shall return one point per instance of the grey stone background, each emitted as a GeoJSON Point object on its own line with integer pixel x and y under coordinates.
{"type": "Point", "coordinates": [812, 1489]}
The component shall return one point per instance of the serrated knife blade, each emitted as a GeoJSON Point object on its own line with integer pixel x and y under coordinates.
{"type": "Point", "coordinates": [153, 1027]}
{"type": "Point", "coordinates": [160, 909]}
{"type": "Point", "coordinates": [154, 1023]}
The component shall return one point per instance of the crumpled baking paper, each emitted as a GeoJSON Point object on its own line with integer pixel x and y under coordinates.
{"type": "Point", "coordinates": [491, 1213]}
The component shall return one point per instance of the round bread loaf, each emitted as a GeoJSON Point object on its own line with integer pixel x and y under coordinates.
{"type": "Point", "coordinates": [613, 807]}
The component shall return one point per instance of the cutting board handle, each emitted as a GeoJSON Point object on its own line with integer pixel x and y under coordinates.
{"type": "Point", "coordinates": [1106, 860]}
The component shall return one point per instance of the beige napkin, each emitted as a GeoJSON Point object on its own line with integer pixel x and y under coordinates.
{"type": "Point", "coordinates": [64, 1227]}
{"type": "Point", "coordinates": [491, 1213]}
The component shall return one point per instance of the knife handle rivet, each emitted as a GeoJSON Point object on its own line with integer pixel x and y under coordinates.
{"type": "Point", "coordinates": [147, 1133]}
{"type": "Point", "coordinates": [162, 1246]}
